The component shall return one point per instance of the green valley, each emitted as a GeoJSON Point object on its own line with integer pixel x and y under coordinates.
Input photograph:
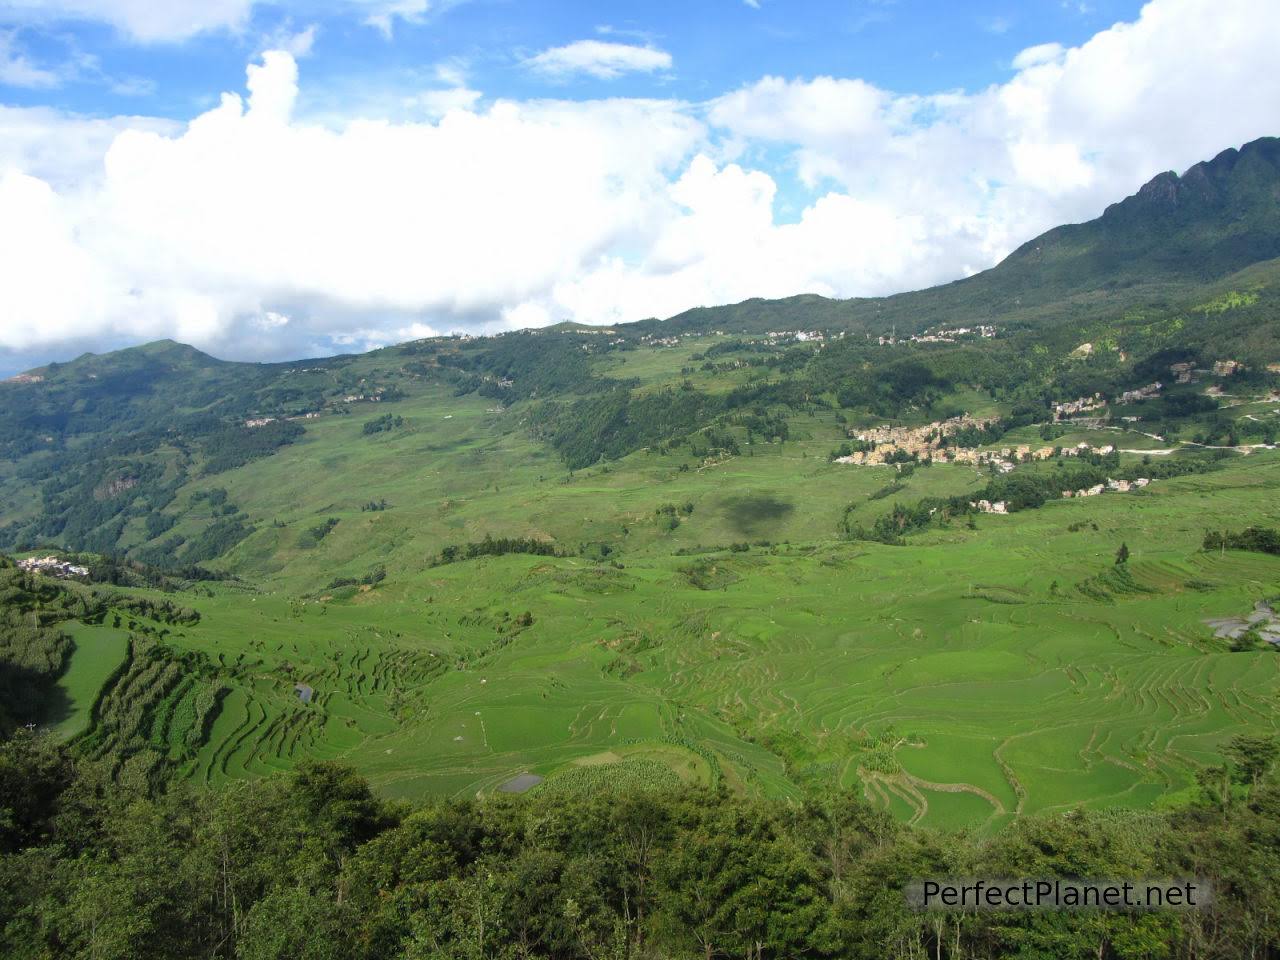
{"type": "Point", "coordinates": [685, 551]}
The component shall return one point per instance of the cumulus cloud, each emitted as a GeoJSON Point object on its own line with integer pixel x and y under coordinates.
{"type": "Point", "coordinates": [598, 58]}
{"type": "Point", "coordinates": [248, 211]}
{"type": "Point", "coordinates": [1070, 131]}
{"type": "Point", "coordinates": [64, 150]}
{"type": "Point", "coordinates": [255, 233]}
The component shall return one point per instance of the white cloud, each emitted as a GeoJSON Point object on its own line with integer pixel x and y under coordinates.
{"type": "Point", "coordinates": [63, 149]}
{"type": "Point", "coordinates": [455, 95]}
{"type": "Point", "coordinates": [73, 66]}
{"type": "Point", "coordinates": [51, 284]}
{"type": "Point", "coordinates": [1071, 131]}
{"type": "Point", "coordinates": [143, 20]}
{"type": "Point", "coordinates": [297, 43]}
{"type": "Point", "coordinates": [383, 14]}
{"type": "Point", "coordinates": [132, 86]}
{"type": "Point", "coordinates": [248, 211]}
{"type": "Point", "coordinates": [1041, 53]}
{"type": "Point", "coordinates": [823, 110]}
{"type": "Point", "coordinates": [16, 70]}
{"type": "Point", "coordinates": [437, 103]}
{"type": "Point", "coordinates": [165, 21]}
{"type": "Point", "coordinates": [271, 320]}
{"type": "Point", "coordinates": [598, 58]}
{"type": "Point", "coordinates": [496, 214]}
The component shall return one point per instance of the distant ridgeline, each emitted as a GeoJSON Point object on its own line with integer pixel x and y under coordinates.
{"type": "Point", "coordinates": [107, 448]}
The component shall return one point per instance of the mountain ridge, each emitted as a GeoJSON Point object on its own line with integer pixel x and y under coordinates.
{"type": "Point", "coordinates": [1114, 257]}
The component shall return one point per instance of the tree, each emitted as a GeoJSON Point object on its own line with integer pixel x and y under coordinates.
{"type": "Point", "coordinates": [293, 923]}
{"type": "Point", "coordinates": [1253, 756]}
{"type": "Point", "coordinates": [34, 773]}
{"type": "Point", "coordinates": [1122, 555]}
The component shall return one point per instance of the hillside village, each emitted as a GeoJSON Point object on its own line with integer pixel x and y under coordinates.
{"type": "Point", "coordinates": [1183, 373]}
{"type": "Point", "coordinates": [1112, 486]}
{"type": "Point", "coordinates": [889, 444]}
{"type": "Point", "coordinates": [981, 331]}
{"type": "Point", "coordinates": [51, 566]}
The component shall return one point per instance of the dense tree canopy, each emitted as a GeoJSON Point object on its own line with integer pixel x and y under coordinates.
{"type": "Point", "coordinates": [313, 864]}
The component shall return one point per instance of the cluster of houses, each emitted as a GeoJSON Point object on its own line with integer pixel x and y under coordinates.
{"type": "Point", "coordinates": [263, 421]}
{"type": "Point", "coordinates": [1149, 392]}
{"type": "Point", "coordinates": [925, 443]}
{"type": "Point", "coordinates": [1227, 368]}
{"type": "Point", "coordinates": [890, 444]}
{"type": "Point", "coordinates": [1082, 405]}
{"type": "Point", "coordinates": [987, 506]}
{"type": "Point", "coordinates": [373, 396]}
{"type": "Point", "coordinates": [1182, 373]}
{"type": "Point", "coordinates": [1113, 486]}
{"type": "Point", "coordinates": [951, 335]}
{"type": "Point", "coordinates": [929, 434]}
{"type": "Point", "coordinates": [774, 337]}
{"type": "Point", "coordinates": [921, 442]}
{"type": "Point", "coordinates": [1004, 459]}
{"type": "Point", "coordinates": [1084, 449]}
{"type": "Point", "coordinates": [1185, 372]}
{"type": "Point", "coordinates": [51, 566]}
{"type": "Point", "coordinates": [942, 335]}
{"type": "Point", "coordinates": [1073, 408]}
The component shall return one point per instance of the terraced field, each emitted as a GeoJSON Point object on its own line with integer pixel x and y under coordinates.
{"type": "Point", "coordinates": [959, 681]}
{"type": "Point", "coordinates": [703, 620]}
{"type": "Point", "coordinates": [99, 651]}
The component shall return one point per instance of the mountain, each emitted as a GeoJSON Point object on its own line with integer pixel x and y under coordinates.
{"type": "Point", "coordinates": [1188, 267]}
{"type": "Point", "coordinates": [1175, 233]}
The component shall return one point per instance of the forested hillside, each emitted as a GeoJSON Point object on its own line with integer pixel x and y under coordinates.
{"type": "Point", "coordinates": [313, 865]}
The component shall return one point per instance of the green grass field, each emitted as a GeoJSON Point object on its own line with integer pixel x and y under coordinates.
{"type": "Point", "coordinates": [958, 681]}
{"type": "Point", "coordinates": [980, 672]}
{"type": "Point", "coordinates": [99, 650]}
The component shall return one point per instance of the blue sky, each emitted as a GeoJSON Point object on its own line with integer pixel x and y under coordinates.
{"type": "Point", "coordinates": [918, 46]}
{"type": "Point", "coordinates": [270, 180]}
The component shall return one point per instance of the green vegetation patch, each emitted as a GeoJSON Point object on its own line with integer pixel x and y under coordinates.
{"type": "Point", "coordinates": [625, 777]}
